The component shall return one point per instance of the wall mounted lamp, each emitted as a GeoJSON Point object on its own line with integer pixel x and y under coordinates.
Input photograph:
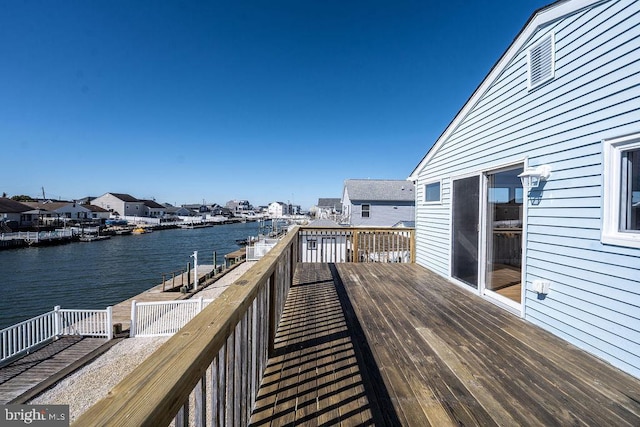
{"type": "Point", "coordinates": [531, 177]}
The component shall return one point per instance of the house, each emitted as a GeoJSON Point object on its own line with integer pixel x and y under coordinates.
{"type": "Point", "coordinates": [58, 213]}
{"type": "Point", "coordinates": [97, 213]}
{"type": "Point", "coordinates": [15, 214]}
{"type": "Point", "coordinates": [328, 208]}
{"type": "Point", "coordinates": [278, 209]}
{"type": "Point", "coordinates": [120, 204]}
{"type": "Point", "coordinates": [175, 211]}
{"type": "Point", "coordinates": [154, 209]}
{"type": "Point", "coordinates": [377, 202]}
{"type": "Point", "coordinates": [529, 198]}
{"type": "Point", "coordinates": [239, 207]}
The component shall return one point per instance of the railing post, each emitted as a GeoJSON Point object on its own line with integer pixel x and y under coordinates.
{"type": "Point", "coordinates": [56, 321]}
{"type": "Point", "coordinates": [355, 246]}
{"type": "Point", "coordinates": [132, 328]}
{"type": "Point", "coordinates": [273, 327]}
{"type": "Point", "coordinates": [109, 324]}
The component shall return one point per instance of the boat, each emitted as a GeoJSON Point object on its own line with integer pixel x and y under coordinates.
{"type": "Point", "coordinates": [138, 230]}
{"type": "Point", "coordinates": [92, 238]}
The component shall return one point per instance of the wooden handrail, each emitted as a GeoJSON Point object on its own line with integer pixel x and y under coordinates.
{"type": "Point", "coordinates": [154, 392]}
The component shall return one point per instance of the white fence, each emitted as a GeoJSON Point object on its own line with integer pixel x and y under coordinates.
{"type": "Point", "coordinates": [25, 336]}
{"type": "Point", "coordinates": [260, 249]}
{"type": "Point", "coordinates": [154, 319]}
{"type": "Point", "coordinates": [35, 236]}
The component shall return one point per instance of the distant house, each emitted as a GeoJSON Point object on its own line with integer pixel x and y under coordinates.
{"type": "Point", "coordinates": [239, 207]}
{"type": "Point", "coordinates": [120, 204]}
{"type": "Point", "coordinates": [175, 211]}
{"type": "Point", "coordinates": [278, 209]}
{"type": "Point", "coordinates": [53, 213]}
{"type": "Point", "coordinates": [16, 214]}
{"type": "Point", "coordinates": [559, 114]}
{"type": "Point", "coordinates": [153, 209]}
{"type": "Point", "coordinates": [97, 213]}
{"type": "Point", "coordinates": [377, 202]}
{"type": "Point", "coordinates": [329, 208]}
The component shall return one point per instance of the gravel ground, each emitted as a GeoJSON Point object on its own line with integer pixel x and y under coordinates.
{"type": "Point", "coordinates": [86, 386]}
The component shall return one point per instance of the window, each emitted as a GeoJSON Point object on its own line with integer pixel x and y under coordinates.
{"type": "Point", "coordinates": [541, 58]}
{"type": "Point", "coordinates": [312, 244]}
{"type": "Point", "coordinates": [432, 192]}
{"type": "Point", "coordinates": [365, 211]}
{"type": "Point", "coordinates": [621, 194]}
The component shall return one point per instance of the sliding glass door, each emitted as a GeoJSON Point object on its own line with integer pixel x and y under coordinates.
{"type": "Point", "coordinates": [466, 197]}
{"type": "Point", "coordinates": [504, 234]}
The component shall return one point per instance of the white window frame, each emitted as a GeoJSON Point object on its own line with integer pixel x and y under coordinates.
{"type": "Point", "coordinates": [613, 150]}
{"type": "Point", "coordinates": [433, 202]}
{"type": "Point", "coordinates": [549, 38]}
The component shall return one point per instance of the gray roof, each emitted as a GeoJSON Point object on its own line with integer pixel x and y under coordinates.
{"type": "Point", "coordinates": [125, 197]}
{"type": "Point", "coordinates": [380, 190]}
{"type": "Point", "coordinates": [152, 204]}
{"type": "Point", "coordinates": [329, 203]}
{"type": "Point", "coordinates": [11, 206]}
{"type": "Point", "coordinates": [322, 222]}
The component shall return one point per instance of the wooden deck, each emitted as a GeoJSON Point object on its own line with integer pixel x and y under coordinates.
{"type": "Point", "coordinates": [393, 344]}
{"type": "Point", "coordinates": [35, 372]}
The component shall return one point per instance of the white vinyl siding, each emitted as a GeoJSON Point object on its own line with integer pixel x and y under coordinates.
{"type": "Point", "coordinates": [594, 300]}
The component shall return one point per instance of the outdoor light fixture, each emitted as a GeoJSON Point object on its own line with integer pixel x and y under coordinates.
{"type": "Point", "coordinates": [531, 177]}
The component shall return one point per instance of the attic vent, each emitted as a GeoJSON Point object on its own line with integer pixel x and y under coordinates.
{"type": "Point", "coordinates": [541, 61]}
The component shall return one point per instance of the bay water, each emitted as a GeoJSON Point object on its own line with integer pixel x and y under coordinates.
{"type": "Point", "coordinates": [95, 275]}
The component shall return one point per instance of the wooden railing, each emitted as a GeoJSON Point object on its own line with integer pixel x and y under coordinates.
{"type": "Point", "coordinates": [218, 358]}
{"type": "Point", "coordinates": [356, 244]}
{"type": "Point", "coordinates": [209, 373]}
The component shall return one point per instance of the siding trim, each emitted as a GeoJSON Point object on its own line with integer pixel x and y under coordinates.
{"type": "Point", "coordinates": [539, 19]}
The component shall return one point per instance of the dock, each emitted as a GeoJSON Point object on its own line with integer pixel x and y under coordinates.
{"type": "Point", "coordinates": [34, 373]}
{"type": "Point", "coordinates": [30, 375]}
{"type": "Point", "coordinates": [122, 311]}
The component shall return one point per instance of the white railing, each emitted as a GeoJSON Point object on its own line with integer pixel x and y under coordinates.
{"type": "Point", "coordinates": [260, 249]}
{"type": "Point", "coordinates": [138, 219]}
{"type": "Point", "coordinates": [88, 323]}
{"type": "Point", "coordinates": [164, 318]}
{"type": "Point", "coordinates": [35, 236]}
{"type": "Point", "coordinates": [25, 336]}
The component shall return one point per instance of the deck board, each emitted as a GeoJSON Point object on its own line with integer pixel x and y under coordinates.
{"type": "Point", "coordinates": [29, 372]}
{"type": "Point", "coordinates": [394, 344]}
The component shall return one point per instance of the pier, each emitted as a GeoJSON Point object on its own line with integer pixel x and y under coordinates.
{"type": "Point", "coordinates": [39, 370]}
{"type": "Point", "coordinates": [36, 238]}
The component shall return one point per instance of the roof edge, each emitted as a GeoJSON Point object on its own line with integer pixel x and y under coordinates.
{"type": "Point", "coordinates": [538, 18]}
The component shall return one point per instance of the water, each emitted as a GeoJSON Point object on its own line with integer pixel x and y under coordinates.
{"type": "Point", "coordinates": [99, 274]}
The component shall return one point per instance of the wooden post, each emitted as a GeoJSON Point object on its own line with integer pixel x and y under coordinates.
{"type": "Point", "coordinates": [188, 273]}
{"type": "Point", "coordinates": [355, 246]}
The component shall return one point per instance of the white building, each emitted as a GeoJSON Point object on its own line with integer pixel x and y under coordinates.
{"type": "Point", "coordinates": [278, 209]}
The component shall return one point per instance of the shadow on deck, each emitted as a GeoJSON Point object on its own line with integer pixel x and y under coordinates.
{"type": "Point", "coordinates": [394, 344]}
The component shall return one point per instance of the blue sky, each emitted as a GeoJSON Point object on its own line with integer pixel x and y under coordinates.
{"type": "Point", "coordinates": [185, 101]}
